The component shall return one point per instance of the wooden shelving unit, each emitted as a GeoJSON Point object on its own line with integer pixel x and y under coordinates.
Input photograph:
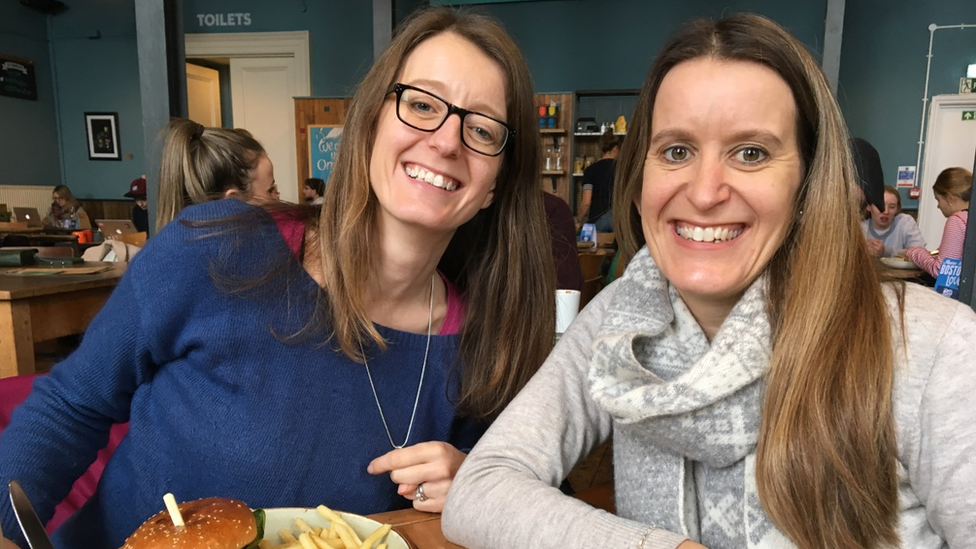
{"type": "Point", "coordinates": [603, 106]}
{"type": "Point", "coordinates": [550, 180]}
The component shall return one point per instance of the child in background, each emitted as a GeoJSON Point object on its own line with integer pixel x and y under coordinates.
{"type": "Point", "coordinates": [952, 190]}
{"type": "Point", "coordinates": [890, 232]}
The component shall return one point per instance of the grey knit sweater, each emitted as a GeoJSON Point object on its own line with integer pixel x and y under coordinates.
{"type": "Point", "coordinates": [504, 496]}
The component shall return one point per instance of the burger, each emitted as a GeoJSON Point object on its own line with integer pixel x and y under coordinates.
{"type": "Point", "coordinates": [209, 523]}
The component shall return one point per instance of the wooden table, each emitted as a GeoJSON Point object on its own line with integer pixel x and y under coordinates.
{"type": "Point", "coordinates": [421, 530]}
{"type": "Point", "coordinates": [39, 308]}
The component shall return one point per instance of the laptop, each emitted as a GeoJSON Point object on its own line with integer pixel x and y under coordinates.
{"type": "Point", "coordinates": [112, 228]}
{"type": "Point", "coordinates": [28, 215]}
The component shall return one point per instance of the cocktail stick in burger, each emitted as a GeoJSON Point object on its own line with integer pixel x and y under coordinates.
{"type": "Point", "coordinates": [210, 523]}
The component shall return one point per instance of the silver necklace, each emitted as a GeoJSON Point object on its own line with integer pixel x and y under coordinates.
{"type": "Point", "coordinates": [423, 369]}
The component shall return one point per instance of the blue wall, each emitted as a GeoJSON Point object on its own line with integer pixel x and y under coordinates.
{"type": "Point", "coordinates": [570, 45]}
{"type": "Point", "coordinates": [600, 44]}
{"type": "Point", "coordinates": [29, 152]}
{"type": "Point", "coordinates": [882, 71]}
{"type": "Point", "coordinates": [340, 33]}
{"type": "Point", "coordinates": [97, 70]}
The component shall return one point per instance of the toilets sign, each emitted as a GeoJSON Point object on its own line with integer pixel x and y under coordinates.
{"type": "Point", "coordinates": [224, 19]}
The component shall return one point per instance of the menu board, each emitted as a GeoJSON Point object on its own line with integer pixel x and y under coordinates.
{"type": "Point", "coordinates": [17, 78]}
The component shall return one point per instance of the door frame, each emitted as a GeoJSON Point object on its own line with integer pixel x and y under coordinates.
{"type": "Point", "coordinates": [294, 44]}
{"type": "Point", "coordinates": [255, 44]}
{"type": "Point", "coordinates": [929, 172]}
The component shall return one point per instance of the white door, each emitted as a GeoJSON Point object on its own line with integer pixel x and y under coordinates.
{"type": "Point", "coordinates": [950, 141]}
{"type": "Point", "coordinates": [203, 95]}
{"type": "Point", "coordinates": [262, 90]}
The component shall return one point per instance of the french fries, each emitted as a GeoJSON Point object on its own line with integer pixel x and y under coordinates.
{"type": "Point", "coordinates": [339, 535]}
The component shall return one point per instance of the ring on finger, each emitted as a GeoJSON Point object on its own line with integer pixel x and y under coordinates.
{"type": "Point", "coordinates": [419, 494]}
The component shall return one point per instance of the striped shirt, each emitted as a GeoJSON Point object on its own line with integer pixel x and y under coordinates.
{"type": "Point", "coordinates": [953, 238]}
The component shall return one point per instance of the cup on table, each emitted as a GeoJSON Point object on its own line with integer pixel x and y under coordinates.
{"type": "Point", "coordinates": [567, 305]}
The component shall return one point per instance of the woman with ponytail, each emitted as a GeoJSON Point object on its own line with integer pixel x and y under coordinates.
{"type": "Point", "coordinates": [201, 164]}
{"type": "Point", "coordinates": [765, 385]}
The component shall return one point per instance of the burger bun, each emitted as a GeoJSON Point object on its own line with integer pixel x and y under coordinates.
{"type": "Point", "coordinates": [209, 523]}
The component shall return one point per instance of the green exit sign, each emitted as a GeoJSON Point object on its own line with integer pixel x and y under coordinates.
{"type": "Point", "coordinates": [969, 115]}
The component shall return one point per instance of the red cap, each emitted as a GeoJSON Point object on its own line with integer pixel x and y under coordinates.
{"type": "Point", "coordinates": [137, 189]}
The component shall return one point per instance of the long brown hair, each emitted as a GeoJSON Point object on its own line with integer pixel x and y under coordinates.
{"type": "Point", "coordinates": [501, 259]}
{"type": "Point", "coordinates": [62, 191]}
{"type": "Point", "coordinates": [826, 457]}
{"type": "Point", "coordinates": [199, 164]}
{"type": "Point", "coordinates": [956, 182]}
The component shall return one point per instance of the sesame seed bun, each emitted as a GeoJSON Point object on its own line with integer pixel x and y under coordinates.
{"type": "Point", "coordinates": [210, 523]}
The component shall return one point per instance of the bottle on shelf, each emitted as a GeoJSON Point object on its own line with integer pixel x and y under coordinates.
{"type": "Point", "coordinates": [549, 161]}
{"type": "Point", "coordinates": [558, 152]}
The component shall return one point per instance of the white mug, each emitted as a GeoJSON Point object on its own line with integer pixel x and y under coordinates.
{"type": "Point", "coordinates": [567, 305]}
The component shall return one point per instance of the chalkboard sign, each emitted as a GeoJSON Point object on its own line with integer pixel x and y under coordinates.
{"type": "Point", "coordinates": [323, 146]}
{"type": "Point", "coordinates": [17, 78]}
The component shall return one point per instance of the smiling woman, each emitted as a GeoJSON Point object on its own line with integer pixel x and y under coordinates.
{"type": "Point", "coordinates": [391, 321]}
{"type": "Point", "coordinates": [761, 384]}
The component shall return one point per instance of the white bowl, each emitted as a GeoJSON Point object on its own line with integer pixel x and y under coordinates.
{"type": "Point", "coordinates": [898, 263]}
{"type": "Point", "coordinates": [284, 518]}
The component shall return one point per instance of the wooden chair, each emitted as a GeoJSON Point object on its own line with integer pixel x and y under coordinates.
{"type": "Point", "coordinates": [592, 266]}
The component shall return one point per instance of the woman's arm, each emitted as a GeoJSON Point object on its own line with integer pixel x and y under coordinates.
{"type": "Point", "coordinates": [584, 206]}
{"type": "Point", "coordinates": [942, 470]}
{"type": "Point", "coordinates": [506, 495]}
{"type": "Point", "coordinates": [913, 235]}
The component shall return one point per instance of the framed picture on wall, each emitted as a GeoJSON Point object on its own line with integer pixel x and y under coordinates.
{"type": "Point", "coordinates": [103, 135]}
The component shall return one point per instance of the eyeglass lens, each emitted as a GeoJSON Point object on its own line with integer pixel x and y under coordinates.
{"type": "Point", "coordinates": [427, 112]}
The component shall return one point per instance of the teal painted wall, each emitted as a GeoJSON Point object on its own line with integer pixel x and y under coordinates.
{"type": "Point", "coordinates": [340, 33]}
{"type": "Point", "coordinates": [882, 71]}
{"type": "Point", "coordinates": [601, 44]}
{"type": "Point", "coordinates": [29, 152]}
{"type": "Point", "coordinates": [97, 70]}
{"type": "Point", "coordinates": [570, 44]}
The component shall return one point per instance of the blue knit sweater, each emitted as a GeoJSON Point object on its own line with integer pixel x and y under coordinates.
{"type": "Point", "coordinates": [217, 403]}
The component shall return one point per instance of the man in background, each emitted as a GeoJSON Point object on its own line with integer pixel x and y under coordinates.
{"type": "Point", "coordinates": [140, 211]}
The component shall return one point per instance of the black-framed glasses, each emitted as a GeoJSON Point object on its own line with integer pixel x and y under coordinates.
{"type": "Point", "coordinates": [424, 111]}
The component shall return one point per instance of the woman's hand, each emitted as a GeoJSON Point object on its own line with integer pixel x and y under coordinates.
{"type": "Point", "coordinates": [7, 544]}
{"type": "Point", "coordinates": [688, 544]}
{"type": "Point", "coordinates": [431, 464]}
{"type": "Point", "coordinates": [876, 247]}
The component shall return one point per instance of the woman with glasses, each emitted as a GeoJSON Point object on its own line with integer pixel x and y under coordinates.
{"type": "Point", "coordinates": [65, 208]}
{"type": "Point", "coordinates": [348, 357]}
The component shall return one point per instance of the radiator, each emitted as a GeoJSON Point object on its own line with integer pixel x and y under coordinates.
{"type": "Point", "coordinates": [36, 196]}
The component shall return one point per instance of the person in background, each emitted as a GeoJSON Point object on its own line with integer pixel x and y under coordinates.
{"type": "Point", "coordinates": [201, 164]}
{"type": "Point", "coordinates": [384, 340]}
{"type": "Point", "coordinates": [890, 232]}
{"type": "Point", "coordinates": [764, 388]}
{"type": "Point", "coordinates": [562, 231]}
{"type": "Point", "coordinates": [596, 201]}
{"type": "Point", "coordinates": [314, 190]}
{"type": "Point", "coordinates": [140, 211]}
{"type": "Point", "coordinates": [953, 189]}
{"type": "Point", "coordinates": [65, 208]}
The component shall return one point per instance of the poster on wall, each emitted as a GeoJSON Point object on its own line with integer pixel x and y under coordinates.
{"type": "Point", "coordinates": [323, 146]}
{"type": "Point", "coordinates": [906, 177]}
{"type": "Point", "coordinates": [102, 129]}
{"type": "Point", "coordinates": [17, 78]}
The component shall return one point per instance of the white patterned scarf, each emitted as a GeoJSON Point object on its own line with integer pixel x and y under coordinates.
{"type": "Point", "coordinates": [686, 412]}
